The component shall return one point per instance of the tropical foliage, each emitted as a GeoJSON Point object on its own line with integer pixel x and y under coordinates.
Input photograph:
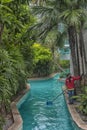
{"type": "Point", "coordinates": [28, 56]}
{"type": "Point", "coordinates": [17, 53]}
{"type": "Point", "coordinates": [72, 15]}
{"type": "Point", "coordinates": [42, 60]}
{"type": "Point", "coordinates": [14, 19]}
{"type": "Point", "coordinates": [65, 63]}
{"type": "Point", "coordinates": [20, 54]}
{"type": "Point", "coordinates": [82, 98]}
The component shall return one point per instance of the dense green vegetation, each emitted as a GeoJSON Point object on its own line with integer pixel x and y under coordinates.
{"type": "Point", "coordinates": [73, 16]}
{"type": "Point", "coordinates": [29, 47]}
{"type": "Point", "coordinates": [42, 60]}
{"type": "Point", "coordinates": [65, 63]}
{"type": "Point", "coordinates": [82, 99]}
{"type": "Point", "coordinates": [20, 56]}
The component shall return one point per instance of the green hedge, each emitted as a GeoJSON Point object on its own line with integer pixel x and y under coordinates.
{"type": "Point", "coordinates": [65, 63]}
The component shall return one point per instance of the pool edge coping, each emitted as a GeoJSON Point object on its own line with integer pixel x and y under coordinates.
{"type": "Point", "coordinates": [18, 122]}
{"type": "Point", "coordinates": [75, 115]}
{"type": "Point", "coordinates": [43, 78]}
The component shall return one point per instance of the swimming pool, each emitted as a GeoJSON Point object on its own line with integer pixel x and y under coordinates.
{"type": "Point", "coordinates": [39, 116]}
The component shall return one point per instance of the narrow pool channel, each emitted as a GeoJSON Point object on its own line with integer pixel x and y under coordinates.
{"type": "Point", "coordinates": [37, 115]}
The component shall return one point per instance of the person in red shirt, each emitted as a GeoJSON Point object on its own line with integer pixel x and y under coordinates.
{"type": "Point", "coordinates": [69, 82]}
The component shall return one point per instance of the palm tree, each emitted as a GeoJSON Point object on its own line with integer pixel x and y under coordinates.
{"type": "Point", "coordinates": [11, 72]}
{"type": "Point", "coordinates": [83, 3]}
{"type": "Point", "coordinates": [72, 16]}
{"type": "Point", "coordinates": [65, 11]}
{"type": "Point", "coordinates": [5, 70]}
{"type": "Point", "coordinates": [79, 10]}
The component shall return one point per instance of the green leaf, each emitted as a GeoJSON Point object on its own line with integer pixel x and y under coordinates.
{"type": "Point", "coordinates": [6, 1]}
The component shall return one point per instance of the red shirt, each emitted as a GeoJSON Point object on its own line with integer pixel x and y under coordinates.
{"type": "Point", "coordinates": [70, 83]}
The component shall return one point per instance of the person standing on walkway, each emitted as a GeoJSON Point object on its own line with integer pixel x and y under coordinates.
{"type": "Point", "coordinates": [69, 82]}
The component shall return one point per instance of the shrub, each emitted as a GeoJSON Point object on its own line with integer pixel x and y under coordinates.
{"type": "Point", "coordinates": [64, 63]}
{"type": "Point", "coordinates": [42, 60]}
{"type": "Point", "coordinates": [28, 56]}
{"type": "Point", "coordinates": [82, 98]}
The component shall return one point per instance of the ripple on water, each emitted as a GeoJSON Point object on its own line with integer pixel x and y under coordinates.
{"type": "Point", "coordinates": [39, 116]}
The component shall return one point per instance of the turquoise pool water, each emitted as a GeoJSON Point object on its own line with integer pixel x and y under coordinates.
{"type": "Point", "coordinates": [39, 116]}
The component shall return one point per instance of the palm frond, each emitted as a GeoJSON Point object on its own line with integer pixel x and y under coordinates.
{"type": "Point", "coordinates": [72, 17]}
{"type": "Point", "coordinates": [3, 7]}
{"type": "Point", "coordinates": [48, 19]}
{"type": "Point", "coordinates": [41, 11]}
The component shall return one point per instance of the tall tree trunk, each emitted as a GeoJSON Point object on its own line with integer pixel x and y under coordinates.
{"type": "Point", "coordinates": [80, 56]}
{"type": "Point", "coordinates": [83, 53]}
{"type": "Point", "coordinates": [77, 52]}
{"type": "Point", "coordinates": [72, 41]}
